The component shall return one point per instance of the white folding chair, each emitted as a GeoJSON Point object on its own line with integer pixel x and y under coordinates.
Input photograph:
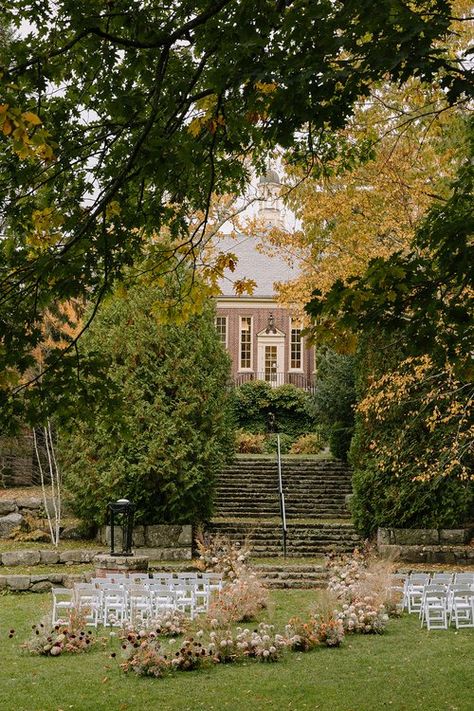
{"type": "Point", "coordinates": [414, 590]}
{"type": "Point", "coordinates": [202, 596]}
{"type": "Point", "coordinates": [140, 603]}
{"type": "Point", "coordinates": [162, 598]}
{"type": "Point", "coordinates": [164, 579]}
{"type": "Point", "coordinates": [137, 578]}
{"type": "Point", "coordinates": [464, 578]}
{"type": "Point", "coordinates": [185, 598]}
{"type": "Point", "coordinates": [428, 592]}
{"type": "Point", "coordinates": [114, 604]}
{"type": "Point", "coordinates": [63, 603]}
{"type": "Point", "coordinates": [435, 610]}
{"type": "Point", "coordinates": [462, 607]}
{"type": "Point", "coordinates": [88, 600]}
{"type": "Point", "coordinates": [116, 578]}
{"type": "Point", "coordinates": [213, 581]}
{"type": "Point", "coordinates": [187, 578]}
{"type": "Point", "coordinates": [445, 578]}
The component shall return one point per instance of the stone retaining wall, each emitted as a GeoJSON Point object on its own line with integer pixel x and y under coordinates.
{"type": "Point", "coordinates": [47, 557]}
{"type": "Point", "coordinates": [169, 542]}
{"type": "Point", "coordinates": [427, 545]}
{"type": "Point", "coordinates": [13, 512]}
{"type": "Point", "coordinates": [42, 582]}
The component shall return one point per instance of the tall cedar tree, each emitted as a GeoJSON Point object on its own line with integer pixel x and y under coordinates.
{"type": "Point", "coordinates": [168, 434]}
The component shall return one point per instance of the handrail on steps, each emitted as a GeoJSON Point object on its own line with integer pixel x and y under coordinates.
{"type": "Point", "coordinates": [282, 497]}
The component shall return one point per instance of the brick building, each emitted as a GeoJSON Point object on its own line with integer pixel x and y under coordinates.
{"type": "Point", "coordinates": [263, 339]}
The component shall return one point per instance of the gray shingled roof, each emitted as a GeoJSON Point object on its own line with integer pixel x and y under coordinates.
{"type": "Point", "coordinates": [252, 264]}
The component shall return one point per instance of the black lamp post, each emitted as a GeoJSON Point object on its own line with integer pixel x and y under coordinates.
{"type": "Point", "coordinates": [121, 516]}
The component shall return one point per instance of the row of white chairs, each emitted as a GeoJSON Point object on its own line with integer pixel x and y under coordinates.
{"type": "Point", "coordinates": [440, 599]}
{"type": "Point", "coordinates": [116, 599]}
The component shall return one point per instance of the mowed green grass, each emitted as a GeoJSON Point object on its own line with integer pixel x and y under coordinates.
{"type": "Point", "coordinates": [407, 668]}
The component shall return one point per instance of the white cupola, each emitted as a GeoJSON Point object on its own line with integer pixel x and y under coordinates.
{"type": "Point", "coordinates": [269, 192]}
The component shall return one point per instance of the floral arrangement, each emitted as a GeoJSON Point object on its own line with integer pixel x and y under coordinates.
{"type": "Point", "coordinates": [330, 631]}
{"type": "Point", "coordinates": [322, 629]}
{"type": "Point", "coordinates": [364, 616]}
{"type": "Point", "coordinates": [145, 656]}
{"type": "Point", "coordinates": [345, 573]}
{"type": "Point", "coordinates": [238, 601]}
{"type": "Point", "coordinates": [221, 555]}
{"type": "Point", "coordinates": [169, 623]}
{"type": "Point", "coordinates": [365, 584]}
{"type": "Point", "coordinates": [302, 636]}
{"type": "Point", "coordinates": [62, 639]}
{"type": "Point", "coordinates": [223, 646]}
{"type": "Point", "coordinates": [262, 644]}
{"type": "Point", "coordinates": [191, 655]}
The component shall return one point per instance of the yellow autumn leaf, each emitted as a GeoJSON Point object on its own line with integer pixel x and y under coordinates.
{"type": "Point", "coordinates": [195, 127]}
{"type": "Point", "coordinates": [31, 118]}
{"type": "Point", "coordinates": [7, 127]}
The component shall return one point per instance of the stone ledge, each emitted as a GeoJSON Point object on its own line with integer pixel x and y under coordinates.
{"type": "Point", "coordinates": [48, 557]}
{"type": "Point", "coordinates": [460, 555]}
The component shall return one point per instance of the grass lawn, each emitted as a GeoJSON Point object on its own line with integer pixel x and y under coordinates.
{"type": "Point", "coordinates": [407, 668]}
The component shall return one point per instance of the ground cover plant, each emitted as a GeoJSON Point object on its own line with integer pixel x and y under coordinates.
{"type": "Point", "coordinates": [394, 670]}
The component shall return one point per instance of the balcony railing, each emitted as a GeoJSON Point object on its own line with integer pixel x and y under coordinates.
{"type": "Point", "coordinates": [300, 380]}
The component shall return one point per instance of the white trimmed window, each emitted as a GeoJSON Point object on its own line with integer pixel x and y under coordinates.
{"type": "Point", "coordinates": [296, 346]}
{"type": "Point", "coordinates": [245, 343]}
{"type": "Point", "coordinates": [221, 328]}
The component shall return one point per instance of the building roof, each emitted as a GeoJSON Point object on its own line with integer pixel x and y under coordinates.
{"type": "Point", "coordinates": [265, 270]}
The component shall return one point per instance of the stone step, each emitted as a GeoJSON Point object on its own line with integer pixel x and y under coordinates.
{"type": "Point", "coordinates": [252, 489]}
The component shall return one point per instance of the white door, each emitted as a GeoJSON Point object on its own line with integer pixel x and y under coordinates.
{"type": "Point", "coordinates": [271, 359]}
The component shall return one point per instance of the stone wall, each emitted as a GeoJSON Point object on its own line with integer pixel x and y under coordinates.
{"type": "Point", "coordinates": [168, 542]}
{"type": "Point", "coordinates": [14, 511]}
{"type": "Point", "coordinates": [74, 556]}
{"type": "Point", "coordinates": [424, 545]}
{"type": "Point", "coordinates": [41, 583]}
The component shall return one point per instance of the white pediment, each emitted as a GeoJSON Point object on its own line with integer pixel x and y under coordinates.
{"type": "Point", "coordinates": [274, 333]}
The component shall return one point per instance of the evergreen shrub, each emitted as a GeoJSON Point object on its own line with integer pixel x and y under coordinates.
{"type": "Point", "coordinates": [271, 444]}
{"type": "Point", "coordinates": [254, 402]}
{"type": "Point", "coordinates": [170, 431]}
{"type": "Point", "coordinates": [332, 404]}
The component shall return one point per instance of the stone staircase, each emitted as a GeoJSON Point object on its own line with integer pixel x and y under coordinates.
{"type": "Point", "coordinates": [247, 507]}
{"type": "Point", "coordinates": [312, 539]}
{"type": "Point", "coordinates": [292, 576]}
{"type": "Point", "coordinates": [248, 488]}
